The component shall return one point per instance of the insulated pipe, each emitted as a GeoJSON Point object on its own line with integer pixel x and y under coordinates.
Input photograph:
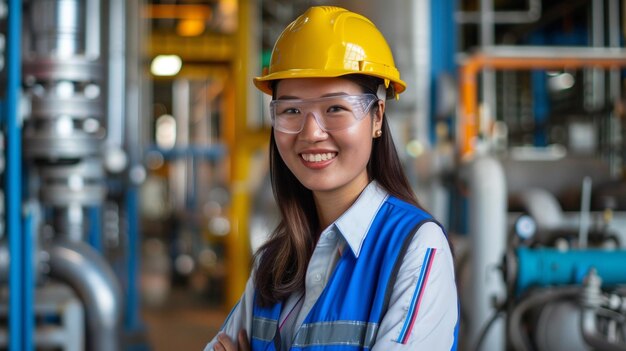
{"type": "Point", "coordinates": [89, 274]}
{"type": "Point", "coordinates": [487, 220]}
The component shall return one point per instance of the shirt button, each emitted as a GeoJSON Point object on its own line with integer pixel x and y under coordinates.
{"type": "Point", "coordinates": [317, 277]}
{"type": "Point", "coordinates": [331, 235]}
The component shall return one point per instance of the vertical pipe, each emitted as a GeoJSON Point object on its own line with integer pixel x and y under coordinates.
{"type": "Point", "coordinates": [541, 106]}
{"type": "Point", "coordinates": [131, 319]}
{"type": "Point", "coordinates": [421, 43]}
{"type": "Point", "coordinates": [29, 277]}
{"type": "Point", "coordinates": [487, 38]}
{"type": "Point", "coordinates": [585, 204]}
{"type": "Point", "coordinates": [92, 29]}
{"type": "Point", "coordinates": [116, 74]}
{"type": "Point", "coordinates": [614, 41]}
{"type": "Point", "coordinates": [134, 140]}
{"type": "Point", "coordinates": [487, 221]}
{"type": "Point", "coordinates": [615, 90]}
{"type": "Point", "coordinates": [442, 52]}
{"type": "Point", "coordinates": [180, 107]}
{"type": "Point", "coordinates": [242, 143]}
{"type": "Point", "coordinates": [13, 174]}
{"type": "Point", "coordinates": [597, 94]}
{"type": "Point", "coordinates": [94, 235]}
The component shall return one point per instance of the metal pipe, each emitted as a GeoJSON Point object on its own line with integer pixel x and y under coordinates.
{"type": "Point", "coordinates": [92, 29]}
{"type": "Point", "coordinates": [132, 318]}
{"type": "Point", "coordinates": [585, 205]}
{"type": "Point", "coordinates": [4, 262]}
{"type": "Point", "coordinates": [595, 97]}
{"type": "Point", "coordinates": [532, 14]}
{"type": "Point", "coordinates": [487, 39]}
{"type": "Point", "coordinates": [487, 216]}
{"type": "Point", "coordinates": [514, 58]}
{"type": "Point", "coordinates": [90, 275]}
{"type": "Point", "coordinates": [615, 90]}
{"type": "Point", "coordinates": [591, 301]}
{"type": "Point", "coordinates": [70, 222]}
{"type": "Point", "coordinates": [14, 172]}
{"type": "Point", "coordinates": [515, 329]}
{"type": "Point", "coordinates": [116, 74]}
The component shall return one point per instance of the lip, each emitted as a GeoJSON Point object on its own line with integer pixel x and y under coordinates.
{"type": "Point", "coordinates": [317, 165]}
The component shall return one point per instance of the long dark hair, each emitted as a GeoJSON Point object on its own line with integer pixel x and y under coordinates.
{"type": "Point", "coordinates": [284, 258]}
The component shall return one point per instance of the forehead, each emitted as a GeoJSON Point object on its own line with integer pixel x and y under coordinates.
{"type": "Point", "coordinates": [305, 88]}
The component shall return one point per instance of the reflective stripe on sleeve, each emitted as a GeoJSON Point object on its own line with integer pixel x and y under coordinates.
{"type": "Point", "coordinates": [417, 296]}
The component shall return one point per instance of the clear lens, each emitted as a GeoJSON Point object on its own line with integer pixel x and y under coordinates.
{"type": "Point", "coordinates": [331, 113]}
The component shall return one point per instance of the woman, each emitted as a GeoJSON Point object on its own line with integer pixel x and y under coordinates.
{"type": "Point", "coordinates": [355, 263]}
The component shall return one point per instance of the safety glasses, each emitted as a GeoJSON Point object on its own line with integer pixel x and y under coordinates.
{"type": "Point", "coordinates": [331, 113]}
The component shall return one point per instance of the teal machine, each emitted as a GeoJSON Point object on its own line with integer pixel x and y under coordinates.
{"type": "Point", "coordinates": [575, 299]}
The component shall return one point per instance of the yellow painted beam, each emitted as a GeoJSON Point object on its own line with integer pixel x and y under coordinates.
{"type": "Point", "coordinates": [203, 48]}
{"type": "Point", "coordinates": [243, 144]}
{"type": "Point", "coordinates": [182, 11]}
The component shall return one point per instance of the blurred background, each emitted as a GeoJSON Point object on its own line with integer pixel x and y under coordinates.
{"type": "Point", "coordinates": [135, 180]}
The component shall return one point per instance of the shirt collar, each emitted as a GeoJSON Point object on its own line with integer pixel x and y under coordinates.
{"type": "Point", "coordinates": [356, 221]}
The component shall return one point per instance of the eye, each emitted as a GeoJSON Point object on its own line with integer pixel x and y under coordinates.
{"type": "Point", "coordinates": [337, 108]}
{"type": "Point", "coordinates": [290, 111]}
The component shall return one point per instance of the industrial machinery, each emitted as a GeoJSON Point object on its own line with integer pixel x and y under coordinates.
{"type": "Point", "coordinates": [542, 158]}
{"type": "Point", "coordinates": [556, 281]}
{"type": "Point", "coordinates": [66, 64]}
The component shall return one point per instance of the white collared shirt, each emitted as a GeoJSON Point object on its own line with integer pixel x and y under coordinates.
{"type": "Point", "coordinates": [428, 325]}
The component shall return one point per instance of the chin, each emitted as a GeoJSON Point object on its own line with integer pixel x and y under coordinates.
{"type": "Point", "coordinates": [316, 185]}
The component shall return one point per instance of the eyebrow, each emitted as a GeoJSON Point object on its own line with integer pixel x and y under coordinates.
{"type": "Point", "coordinates": [291, 97]}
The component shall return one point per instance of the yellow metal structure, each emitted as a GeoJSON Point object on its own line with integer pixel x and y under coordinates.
{"type": "Point", "coordinates": [204, 48]}
{"type": "Point", "coordinates": [243, 142]}
{"type": "Point", "coordinates": [328, 41]}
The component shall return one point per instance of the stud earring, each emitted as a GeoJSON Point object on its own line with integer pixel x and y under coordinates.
{"type": "Point", "coordinates": [378, 133]}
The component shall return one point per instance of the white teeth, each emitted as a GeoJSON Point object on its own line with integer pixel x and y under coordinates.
{"type": "Point", "coordinates": [318, 157]}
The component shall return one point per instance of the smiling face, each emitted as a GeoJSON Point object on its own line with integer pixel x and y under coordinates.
{"type": "Point", "coordinates": [328, 161]}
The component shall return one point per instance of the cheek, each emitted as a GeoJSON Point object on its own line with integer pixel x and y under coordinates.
{"type": "Point", "coordinates": [357, 142]}
{"type": "Point", "coordinates": [284, 143]}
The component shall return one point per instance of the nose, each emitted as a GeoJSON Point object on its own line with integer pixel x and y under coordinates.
{"type": "Point", "coordinates": [312, 130]}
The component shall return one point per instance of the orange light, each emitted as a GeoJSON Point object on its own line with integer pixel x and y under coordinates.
{"type": "Point", "coordinates": [190, 27]}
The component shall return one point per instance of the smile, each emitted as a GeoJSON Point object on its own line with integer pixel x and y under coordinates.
{"type": "Point", "coordinates": [319, 157]}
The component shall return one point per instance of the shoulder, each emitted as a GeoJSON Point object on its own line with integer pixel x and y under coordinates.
{"type": "Point", "coordinates": [408, 208]}
{"type": "Point", "coordinates": [431, 234]}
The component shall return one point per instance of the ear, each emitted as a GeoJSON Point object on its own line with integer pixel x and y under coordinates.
{"type": "Point", "coordinates": [377, 118]}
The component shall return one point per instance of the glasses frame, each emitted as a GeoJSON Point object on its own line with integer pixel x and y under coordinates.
{"type": "Point", "coordinates": [351, 99]}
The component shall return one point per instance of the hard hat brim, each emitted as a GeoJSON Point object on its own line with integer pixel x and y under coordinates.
{"type": "Point", "coordinates": [264, 83]}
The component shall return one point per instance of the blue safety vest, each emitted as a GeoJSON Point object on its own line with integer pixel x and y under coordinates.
{"type": "Point", "coordinates": [349, 311]}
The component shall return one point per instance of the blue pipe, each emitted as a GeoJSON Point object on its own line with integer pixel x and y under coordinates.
{"type": "Point", "coordinates": [29, 280]}
{"type": "Point", "coordinates": [443, 42]}
{"type": "Point", "coordinates": [95, 228]}
{"type": "Point", "coordinates": [132, 320]}
{"type": "Point", "coordinates": [13, 176]}
{"type": "Point", "coordinates": [545, 267]}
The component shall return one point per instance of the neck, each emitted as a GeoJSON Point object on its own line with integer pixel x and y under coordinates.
{"type": "Point", "coordinates": [332, 204]}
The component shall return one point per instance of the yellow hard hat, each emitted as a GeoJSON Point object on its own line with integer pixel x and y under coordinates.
{"type": "Point", "coordinates": [328, 41]}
